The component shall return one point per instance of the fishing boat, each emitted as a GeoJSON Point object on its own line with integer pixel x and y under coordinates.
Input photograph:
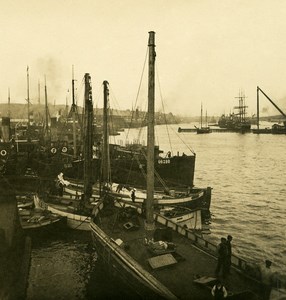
{"type": "Point", "coordinates": [60, 151]}
{"type": "Point", "coordinates": [18, 144]}
{"type": "Point", "coordinates": [186, 198]}
{"type": "Point", "coordinates": [236, 122]}
{"type": "Point", "coordinates": [155, 257]}
{"type": "Point", "coordinates": [203, 129]}
{"type": "Point", "coordinates": [196, 199]}
{"type": "Point", "coordinates": [77, 210]}
{"type": "Point", "coordinates": [15, 247]}
{"type": "Point", "coordinates": [36, 218]}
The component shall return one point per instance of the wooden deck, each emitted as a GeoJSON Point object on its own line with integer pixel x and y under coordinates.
{"type": "Point", "coordinates": [178, 268]}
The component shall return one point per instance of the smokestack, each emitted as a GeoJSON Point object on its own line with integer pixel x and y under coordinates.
{"type": "Point", "coordinates": [6, 132]}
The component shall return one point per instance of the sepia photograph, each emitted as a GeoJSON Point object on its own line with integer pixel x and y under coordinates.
{"type": "Point", "coordinates": [141, 149]}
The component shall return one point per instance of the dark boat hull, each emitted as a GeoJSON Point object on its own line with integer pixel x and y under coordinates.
{"type": "Point", "coordinates": [173, 171]}
{"type": "Point", "coordinates": [127, 255]}
{"type": "Point", "coordinates": [125, 269]}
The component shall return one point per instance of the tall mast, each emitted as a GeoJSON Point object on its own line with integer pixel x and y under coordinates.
{"type": "Point", "coordinates": [73, 108]}
{"type": "Point", "coordinates": [88, 138]}
{"type": "Point", "coordinates": [28, 100]}
{"type": "Point", "coordinates": [149, 225]}
{"type": "Point", "coordinates": [105, 157]}
{"type": "Point", "coordinates": [46, 112]}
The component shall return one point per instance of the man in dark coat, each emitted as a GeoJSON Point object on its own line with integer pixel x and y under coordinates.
{"type": "Point", "coordinates": [222, 257]}
{"type": "Point", "coordinates": [229, 252]}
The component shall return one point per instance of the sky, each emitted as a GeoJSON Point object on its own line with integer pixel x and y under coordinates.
{"type": "Point", "coordinates": [208, 51]}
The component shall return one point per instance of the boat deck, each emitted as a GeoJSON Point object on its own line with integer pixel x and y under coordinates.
{"type": "Point", "coordinates": [178, 269]}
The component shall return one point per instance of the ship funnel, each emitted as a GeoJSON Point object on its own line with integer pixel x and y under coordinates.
{"type": "Point", "coordinates": [5, 128]}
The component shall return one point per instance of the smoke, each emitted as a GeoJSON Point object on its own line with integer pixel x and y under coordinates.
{"type": "Point", "coordinates": [56, 79]}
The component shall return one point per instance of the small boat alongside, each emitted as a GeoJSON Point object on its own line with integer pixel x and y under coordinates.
{"type": "Point", "coordinates": [37, 217]}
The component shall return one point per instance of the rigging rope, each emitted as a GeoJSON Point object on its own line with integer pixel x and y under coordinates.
{"type": "Point", "coordinates": [140, 83]}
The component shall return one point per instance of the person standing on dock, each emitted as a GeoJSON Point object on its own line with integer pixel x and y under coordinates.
{"type": "Point", "coordinates": [266, 278]}
{"type": "Point", "coordinates": [229, 252]}
{"type": "Point", "coordinates": [222, 257]}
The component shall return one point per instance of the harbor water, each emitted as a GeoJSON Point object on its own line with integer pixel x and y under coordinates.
{"type": "Point", "coordinates": [247, 174]}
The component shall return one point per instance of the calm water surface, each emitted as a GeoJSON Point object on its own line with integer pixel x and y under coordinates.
{"type": "Point", "coordinates": [247, 174]}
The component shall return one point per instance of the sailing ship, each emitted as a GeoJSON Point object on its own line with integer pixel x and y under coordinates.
{"type": "Point", "coordinates": [237, 122]}
{"type": "Point", "coordinates": [203, 129]}
{"type": "Point", "coordinates": [137, 245]}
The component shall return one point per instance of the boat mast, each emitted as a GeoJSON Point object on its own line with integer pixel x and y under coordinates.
{"type": "Point", "coordinates": [73, 108]}
{"type": "Point", "coordinates": [28, 100]}
{"type": "Point", "coordinates": [105, 155]}
{"type": "Point", "coordinates": [46, 112]}
{"type": "Point", "coordinates": [149, 224]}
{"type": "Point", "coordinates": [88, 138]}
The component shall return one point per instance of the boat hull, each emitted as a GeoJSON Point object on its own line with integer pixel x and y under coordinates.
{"type": "Point", "coordinates": [127, 253]}
{"type": "Point", "coordinates": [126, 269]}
{"type": "Point", "coordinates": [74, 221]}
{"type": "Point", "coordinates": [49, 224]}
{"type": "Point", "coordinates": [197, 199]}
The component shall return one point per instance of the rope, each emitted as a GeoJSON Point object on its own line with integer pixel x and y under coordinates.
{"type": "Point", "coordinates": [81, 222]}
{"type": "Point", "coordinates": [140, 83]}
{"type": "Point", "coordinates": [176, 122]}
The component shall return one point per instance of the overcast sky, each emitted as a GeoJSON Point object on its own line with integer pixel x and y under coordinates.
{"type": "Point", "coordinates": [207, 51]}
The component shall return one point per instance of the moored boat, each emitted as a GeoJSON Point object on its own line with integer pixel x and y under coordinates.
{"type": "Point", "coordinates": [38, 218]}
{"type": "Point", "coordinates": [77, 210]}
{"type": "Point", "coordinates": [138, 245]}
{"type": "Point", "coordinates": [203, 129]}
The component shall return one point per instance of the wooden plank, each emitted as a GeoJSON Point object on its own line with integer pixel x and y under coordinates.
{"type": "Point", "coordinates": [162, 261]}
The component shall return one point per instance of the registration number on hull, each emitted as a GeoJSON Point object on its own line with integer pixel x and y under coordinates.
{"type": "Point", "coordinates": [164, 161]}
